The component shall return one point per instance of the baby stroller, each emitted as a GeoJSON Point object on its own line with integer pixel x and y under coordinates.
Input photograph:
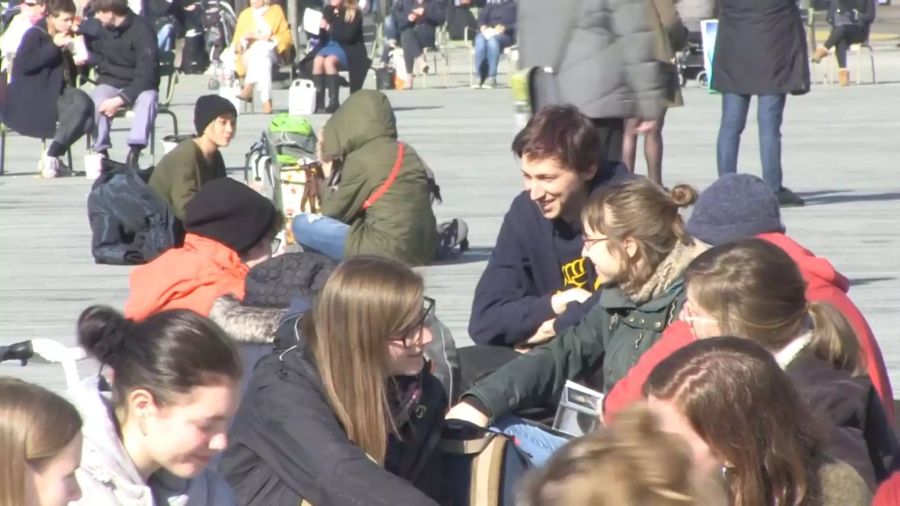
{"type": "Point", "coordinates": [219, 22]}
{"type": "Point", "coordinates": [689, 62]}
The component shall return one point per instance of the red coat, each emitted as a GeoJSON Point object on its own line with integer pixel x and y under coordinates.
{"type": "Point", "coordinates": [191, 277]}
{"type": "Point", "coordinates": [888, 493]}
{"type": "Point", "coordinates": [824, 284]}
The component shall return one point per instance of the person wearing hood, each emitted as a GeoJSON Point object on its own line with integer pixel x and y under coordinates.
{"type": "Point", "coordinates": [151, 430]}
{"type": "Point", "coordinates": [43, 100]}
{"type": "Point", "coordinates": [344, 410]}
{"type": "Point", "coordinates": [739, 206]}
{"type": "Point", "coordinates": [195, 162]}
{"type": "Point", "coordinates": [635, 239]}
{"type": "Point", "coordinates": [537, 275]}
{"type": "Point", "coordinates": [230, 228]}
{"type": "Point", "coordinates": [381, 205]}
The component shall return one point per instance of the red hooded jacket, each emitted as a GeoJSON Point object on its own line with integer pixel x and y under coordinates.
{"type": "Point", "coordinates": [824, 284]}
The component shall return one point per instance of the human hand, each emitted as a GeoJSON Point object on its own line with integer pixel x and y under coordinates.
{"type": "Point", "coordinates": [560, 300]}
{"type": "Point", "coordinates": [646, 126]}
{"type": "Point", "coordinates": [419, 11]}
{"type": "Point", "coordinates": [467, 413]}
{"type": "Point", "coordinates": [62, 39]}
{"type": "Point", "coordinates": [111, 106]}
{"type": "Point", "coordinates": [412, 17]}
{"type": "Point", "coordinates": [500, 28]}
{"type": "Point", "coordinates": [80, 62]}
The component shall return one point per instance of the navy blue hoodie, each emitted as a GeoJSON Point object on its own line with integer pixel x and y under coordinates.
{"type": "Point", "coordinates": [534, 258]}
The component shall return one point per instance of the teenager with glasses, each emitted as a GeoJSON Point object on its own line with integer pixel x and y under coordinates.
{"type": "Point", "coordinates": [635, 239]}
{"type": "Point", "coordinates": [344, 411]}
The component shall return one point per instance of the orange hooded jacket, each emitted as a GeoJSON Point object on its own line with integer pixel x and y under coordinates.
{"type": "Point", "coordinates": [191, 277]}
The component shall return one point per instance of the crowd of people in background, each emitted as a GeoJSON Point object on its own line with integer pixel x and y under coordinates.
{"type": "Point", "coordinates": [736, 369]}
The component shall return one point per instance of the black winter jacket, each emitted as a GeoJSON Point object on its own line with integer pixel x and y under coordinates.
{"type": "Point", "coordinates": [38, 76]}
{"type": "Point", "coordinates": [286, 445]}
{"type": "Point", "coordinates": [126, 56]}
{"type": "Point", "coordinates": [130, 224]}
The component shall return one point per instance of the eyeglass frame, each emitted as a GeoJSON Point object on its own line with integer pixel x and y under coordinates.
{"type": "Point", "coordinates": [590, 242]}
{"type": "Point", "coordinates": [412, 336]}
{"type": "Point", "coordinates": [690, 318]}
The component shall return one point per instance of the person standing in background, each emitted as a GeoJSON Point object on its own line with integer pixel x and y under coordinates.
{"type": "Point", "coordinates": [760, 51]}
{"type": "Point", "coordinates": [600, 56]}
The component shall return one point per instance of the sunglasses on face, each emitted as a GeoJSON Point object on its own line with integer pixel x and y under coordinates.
{"type": "Point", "coordinates": [413, 336]}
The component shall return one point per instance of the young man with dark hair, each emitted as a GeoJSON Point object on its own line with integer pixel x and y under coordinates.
{"type": "Point", "coordinates": [43, 100]}
{"type": "Point", "coordinates": [536, 271]}
{"type": "Point", "coordinates": [124, 51]}
{"type": "Point", "coordinates": [195, 162]}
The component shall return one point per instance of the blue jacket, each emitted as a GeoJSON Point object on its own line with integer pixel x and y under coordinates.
{"type": "Point", "coordinates": [512, 298]}
{"type": "Point", "coordinates": [503, 13]}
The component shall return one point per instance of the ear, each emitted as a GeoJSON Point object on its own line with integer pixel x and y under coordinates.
{"type": "Point", "coordinates": [141, 401]}
{"type": "Point", "coordinates": [588, 175]}
{"type": "Point", "coordinates": [631, 247]}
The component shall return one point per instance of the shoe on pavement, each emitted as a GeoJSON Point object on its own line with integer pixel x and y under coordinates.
{"type": "Point", "coordinates": [490, 83]}
{"type": "Point", "coordinates": [787, 198]}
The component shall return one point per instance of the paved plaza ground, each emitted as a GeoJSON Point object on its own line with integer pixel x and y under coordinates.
{"type": "Point", "coordinates": [841, 152]}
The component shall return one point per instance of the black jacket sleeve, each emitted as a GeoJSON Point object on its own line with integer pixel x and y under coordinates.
{"type": "Point", "coordinates": [507, 308]}
{"type": "Point", "coordinates": [147, 62]}
{"type": "Point", "coordinates": [537, 378]}
{"type": "Point", "coordinates": [37, 52]}
{"type": "Point", "coordinates": [293, 431]}
{"type": "Point", "coordinates": [343, 32]}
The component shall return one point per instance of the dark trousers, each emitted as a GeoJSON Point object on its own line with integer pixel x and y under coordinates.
{"type": "Point", "coordinates": [414, 40]}
{"type": "Point", "coordinates": [612, 134]}
{"type": "Point", "coordinates": [75, 111]}
{"type": "Point", "coordinates": [840, 39]}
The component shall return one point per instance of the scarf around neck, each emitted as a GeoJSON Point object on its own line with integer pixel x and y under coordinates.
{"type": "Point", "coordinates": [667, 272]}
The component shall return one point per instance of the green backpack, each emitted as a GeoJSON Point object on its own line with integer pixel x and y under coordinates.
{"type": "Point", "coordinates": [292, 139]}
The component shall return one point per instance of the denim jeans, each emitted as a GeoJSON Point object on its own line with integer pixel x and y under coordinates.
{"type": "Point", "coordinates": [324, 235]}
{"type": "Point", "coordinates": [165, 37]}
{"type": "Point", "coordinates": [769, 113]}
{"type": "Point", "coordinates": [539, 444]}
{"type": "Point", "coordinates": [487, 53]}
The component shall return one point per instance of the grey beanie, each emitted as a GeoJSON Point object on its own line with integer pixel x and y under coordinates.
{"type": "Point", "coordinates": [736, 206]}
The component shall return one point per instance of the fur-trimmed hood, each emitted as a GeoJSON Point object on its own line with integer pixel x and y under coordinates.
{"type": "Point", "coordinates": [246, 324]}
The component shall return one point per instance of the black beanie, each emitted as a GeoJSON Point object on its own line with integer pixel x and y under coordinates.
{"type": "Point", "coordinates": [231, 213]}
{"type": "Point", "coordinates": [208, 108]}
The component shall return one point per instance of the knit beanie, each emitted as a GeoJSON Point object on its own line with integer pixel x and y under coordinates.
{"type": "Point", "coordinates": [231, 213]}
{"type": "Point", "coordinates": [208, 108]}
{"type": "Point", "coordinates": [735, 206]}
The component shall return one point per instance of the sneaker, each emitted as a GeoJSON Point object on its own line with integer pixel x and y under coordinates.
{"type": "Point", "coordinates": [490, 83]}
{"type": "Point", "coordinates": [476, 83]}
{"type": "Point", "coordinates": [50, 167]}
{"type": "Point", "coordinates": [787, 198]}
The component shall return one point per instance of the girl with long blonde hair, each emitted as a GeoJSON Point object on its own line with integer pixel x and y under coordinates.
{"type": "Point", "coordinates": [345, 406]}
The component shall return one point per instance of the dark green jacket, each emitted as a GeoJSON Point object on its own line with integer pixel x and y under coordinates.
{"type": "Point", "coordinates": [181, 173]}
{"type": "Point", "coordinates": [400, 224]}
{"type": "Point", "coordinates": [611, 338]}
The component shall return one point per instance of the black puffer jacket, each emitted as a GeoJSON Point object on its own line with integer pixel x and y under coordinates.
{"type": "Point", "coordinates": [286, 445]}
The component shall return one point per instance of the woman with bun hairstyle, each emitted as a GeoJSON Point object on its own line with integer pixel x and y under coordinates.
{"type": "Point", "coordinates": [743, 418]}
{"type": "Point", "coordinates": [150, 432]}
{"type": "Point", "coordinates": [40, 446]}
{"type": "Point", "coordinates": [635, 239]}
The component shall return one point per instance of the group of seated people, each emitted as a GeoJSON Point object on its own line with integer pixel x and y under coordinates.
{"type": "Point", "coordinates": [44, 98]}
{"type": "Point", "coordinates": [736, 369]}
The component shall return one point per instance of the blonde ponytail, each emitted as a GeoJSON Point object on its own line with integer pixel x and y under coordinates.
{"type": "Point", "coordinates": [834, 339]}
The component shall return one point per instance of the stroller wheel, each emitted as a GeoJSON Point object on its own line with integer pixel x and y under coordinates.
{"type": "Point", "coordinates": [703, 80]}
{"type": "Point", "coordinates": [213, 84]}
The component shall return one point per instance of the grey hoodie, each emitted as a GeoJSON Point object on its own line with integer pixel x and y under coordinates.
{"type": "Point", "coordinates": [107, 475]}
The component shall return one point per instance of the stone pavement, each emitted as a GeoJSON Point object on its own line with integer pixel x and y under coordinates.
{"type": "Point", "coordinates": [839, 149]}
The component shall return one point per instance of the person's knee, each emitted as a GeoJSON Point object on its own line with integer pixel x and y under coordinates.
{"type": "Point", "coordinates": [331, 64]}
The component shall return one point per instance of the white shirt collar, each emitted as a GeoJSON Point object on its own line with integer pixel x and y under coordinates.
{"type": "Point", "coordinates": [787, 354]}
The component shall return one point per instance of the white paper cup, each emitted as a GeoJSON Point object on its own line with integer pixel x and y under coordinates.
{"type": "Point", "coordinates": [93, 165]}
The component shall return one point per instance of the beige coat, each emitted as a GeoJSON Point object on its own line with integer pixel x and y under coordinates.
{"type": "Point", "coordinates": [664, 21]}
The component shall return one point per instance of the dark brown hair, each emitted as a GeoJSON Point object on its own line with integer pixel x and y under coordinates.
{"type": "Point", "coordinates": [117, 7]}
{"type": "Point", "coordinates": [640, 209]}
{"type": "Point", "coordinates": [639, 464]}
{"type": "Point", "coordinates": [755, 290]}
{"type": "Point", "coordinates": [562, 134]}
{"type": "Point", "coordinates": [57, 7]}
{"type": "Point", "coordinates": [740, 402]}
{"type": "Point", "coordinates": [167, 354]}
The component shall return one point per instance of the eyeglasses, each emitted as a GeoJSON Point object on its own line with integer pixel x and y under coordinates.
{"type": "Point", "coordinates": [589, 242]}
{"type": "Point", "coordinates": [413, 335]}
{"type": "Point", "coordinates": [276, 243]}
{"type": "Point", "coordinates": [688, 315]}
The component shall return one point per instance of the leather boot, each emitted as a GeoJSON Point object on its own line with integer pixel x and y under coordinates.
{"type": "Point", "coordinates": [844, 77]}
{"type": "Point", "coordinates": [333, 84]}
{"type": "Point", "coordinates": [319, 82]}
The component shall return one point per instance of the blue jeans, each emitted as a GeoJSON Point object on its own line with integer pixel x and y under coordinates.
{"type": "Point", "coordinates": [165, 37]}
{"type": "Point", "coordinates": [324, 235]}
{"type": "Point", "coordinates": [487, 53]}
{"type": "Point", "coordinates": [539, 444]}
{"type": "Point", "coordinates": [769, 113]}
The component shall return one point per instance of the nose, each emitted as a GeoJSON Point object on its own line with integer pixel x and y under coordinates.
{"type": "Point", "coordinates": [427, 336]}
{"type": "Point", "coordinates": [585, 251]}
{"type": "Point", "coordinates": [75, 493]}
{"type": "Point", "coordinates": [535, 191]}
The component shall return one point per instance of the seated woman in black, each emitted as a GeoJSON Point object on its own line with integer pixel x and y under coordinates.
{"type": "Point", "coordinates": [850, 22]}
{"type": "Point", "coordinates": [343, 411]}
{"type": "Point", "coordinates": [417, 21]}
{"type": "Point", "coordinates": [341, 48]}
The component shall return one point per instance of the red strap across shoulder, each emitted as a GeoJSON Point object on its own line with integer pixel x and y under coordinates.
{"type": "Point", "coordinates": [390, 180]}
